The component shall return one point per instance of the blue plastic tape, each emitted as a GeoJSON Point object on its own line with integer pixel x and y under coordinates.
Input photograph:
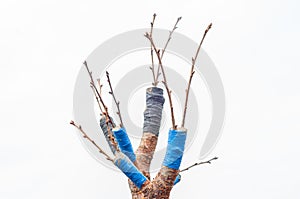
{"type": "Point", "coordinates": [178, 178]}
{"type": "Point", "coordinates": [154, 105]}
{"type": "Point", "coordinates": [124, 143]}
{"type": "Point", "coordinates": [105, 132]}
{"type": "Point", "coordinates": [128, 168]}
{"type": "Point", "coordinates": [175, 149]}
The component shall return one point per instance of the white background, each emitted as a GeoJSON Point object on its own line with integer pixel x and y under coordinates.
{"type": "Point", "coordinates": [254, 45]}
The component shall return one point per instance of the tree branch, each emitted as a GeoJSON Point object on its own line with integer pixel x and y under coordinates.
{"type": "Point", "coordinates": [174, 126]}
{"type": "Point", "coordinates": [114, 97]}
{"type": "Point", "coordinates": [167, 43]}
{"type": "Point", "coordinates": [191, 75]}
{"type": "Point", "coordinates": [100, 86]}
{"type": "Point", "coordinates": [105, 111]}
{"type": "Point", "coordinates": [199, 163]}
{"type": "Point", "coordinates": [92, 141]}
{"type": "Point", "coordinates": [170, 36]}
{"type": "Point", "coordinates": [95, 88]}
{"type": "Point", "coordinates": [97, 98]}
{"type": "Point", "coordinates": [152, 60]}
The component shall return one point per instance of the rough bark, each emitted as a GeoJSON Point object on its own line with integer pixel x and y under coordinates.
{"type": "Point", "coordinates": [145, 152]}
{"type": "Point", "coordinates": [161, 186]}
{"type": "Point", "coordinates": [146, 149]}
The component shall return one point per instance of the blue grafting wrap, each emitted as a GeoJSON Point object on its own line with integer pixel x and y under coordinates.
{"type": "Point", "coordinates": [124, 143]}
{"type": "Point", "coordinates": [175, 148]}
{"type": "Point", "coordinates": [128, 168]}
{"type": "Point", "coordinates": [105, 132]}
{"type": "Point", "coordinates": [154, 105]}
{"type": "Point", "coordinates": [178, 178]}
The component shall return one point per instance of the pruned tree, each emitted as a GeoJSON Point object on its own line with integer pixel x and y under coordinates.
{"type": "Point", "coordinates": [136, 164]}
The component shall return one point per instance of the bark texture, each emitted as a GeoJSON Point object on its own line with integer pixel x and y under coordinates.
{"type": "Point", "coordinates": [152, 120]}
{"type": "Point", "coordinates": [161, 186]}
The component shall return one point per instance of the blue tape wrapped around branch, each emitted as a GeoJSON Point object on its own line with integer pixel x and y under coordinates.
{"type": "Point", "coordinates": [178, 178]}
{"type": "Point", "coordinates": [175, 148]}
{"type": "Point", "coordinates": [105, 132]}
{"type": "Point", "coordinates": [128, 168]}
{"type": "Point", "coordinates": [124, 143]}
{"type": "Point", "coordinates": [154, 105]}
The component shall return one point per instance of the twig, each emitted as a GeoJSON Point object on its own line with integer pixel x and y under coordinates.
{"type": "Point", "coordinates": [170, 36]}
{"type": "Point", "coordinates": [199, 163]}
{"type": "Point", "coordinates": [152, 60]}
{"type": "Point", "coordinates": [165, 78]}
{"type": "Point", "coordinates": [105, 111]}
{"type": "Point", "coordinates": [100, 86]}
{"type": "Point", "coordinates": [92, 141]}
{"type": "Point", "coordinates": [167, 43]}
{"type": "Point", "coordinates": [97, 98]}
{"type": "Point", "coordinates": [114, 97]}
{"type": "Point", "coordinates": [191, 75]}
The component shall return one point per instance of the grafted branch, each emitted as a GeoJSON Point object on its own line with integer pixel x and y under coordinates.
{"type": "Point", "coordinates": [192, 74]}
{"type": "Point", "coordinates": [92, 141]}
{"type": "Point", "coordinates": [152, 59]}
{"type": "Point", "coordinates": [147, 35]}
{"type": "Point", "coordinates": [114, 97]}
{"type": "Point", "coordinates": [148, 142]}
{"type": "Point", "coordinates": [167, 43]}
{"type": "Point", "coordinates": [97, 99]}
{"type": "Point", "coordinates": [105, 111]}
{"type": "Point", "coordinates": [100, 86]}
{"type": "Point", "coordinates": [199, 163]}
{"type": "Point", "coordinates": [93, 85]}
{"type": "Point", "coordinates": [170, 36]}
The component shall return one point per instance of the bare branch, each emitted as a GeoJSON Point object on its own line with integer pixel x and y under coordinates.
{"type": "Point", "coordinates": [191, 75]}
{"type": "Point", "coordinates": [199, 163]}
{"type": "Point", "coordinates": [114, 97]}
{"type": "Point", "coordinates": [100, 86]}
{"type": "Point", "coordinates": [92, 141]}
{"type": "Point", "coordinates": [152, 60]}
{"type": "Point", "coordinates": [164, 76]}
{"type": "Point", "coordinates": [170, 36]}
{"type": "Point", "coordinates": [105, 111]}
{"type": "Point", "coordinates": [167, 43]}
{"type": "Point", "coordinates": [97, 98]}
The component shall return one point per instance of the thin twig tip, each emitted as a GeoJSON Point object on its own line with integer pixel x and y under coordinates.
{"type": "Point", "coordinates": [209, 27]}
{"type": "Point", "coordinates": [147, 35]}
